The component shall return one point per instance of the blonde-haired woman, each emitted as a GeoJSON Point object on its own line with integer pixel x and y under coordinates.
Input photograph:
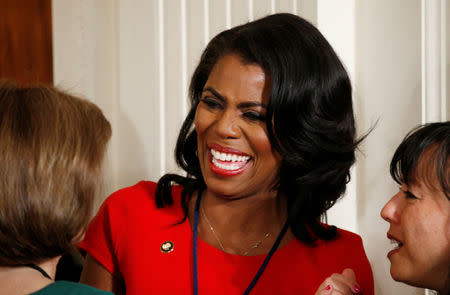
{"type": "Point", "coordinates": [51, 152]}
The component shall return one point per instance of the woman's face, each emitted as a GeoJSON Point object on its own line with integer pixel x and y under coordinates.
{"type": "Point", "coordinates": [419, 217]}
{"type": "Point", "coordinates": [236, 157]}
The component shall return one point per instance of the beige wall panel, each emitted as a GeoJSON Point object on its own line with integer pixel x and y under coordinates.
{"type": "Point", "coordinates": [174, 103]}
{"type": "Point", "coordinates": [308, 10]}
{"type": "Point", "coordinates": [262, 8]}
{"type": "Point", "coordinates": [447, 50]}
{"type": "Point", "coordinates": [285, 6]}
{"type": "Point", "coordinates": [239, 12]}
{"type": "Point", "coordinates": [217, 16]}
{"type": "Point", "coordinates": [339, 30]}
{"type": "Point", "coordinates": [196, 38]}
{"type": "Point", "coordinates": [137, 113]}
{"type": "Point", "coordinates": [76, 60]}
{"type": "Point", "coordinates": [85, 69]}
{"type": "Point", "coordinates": [388, 87]}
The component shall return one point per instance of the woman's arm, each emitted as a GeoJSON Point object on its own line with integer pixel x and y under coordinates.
{"type": "Point", "coordinates": [95, 275]}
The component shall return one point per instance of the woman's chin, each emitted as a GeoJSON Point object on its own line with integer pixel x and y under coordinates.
{"type": "Point", "coordinates": [227, 192]}
{"type": "Point", "coordinates": [400, 274]}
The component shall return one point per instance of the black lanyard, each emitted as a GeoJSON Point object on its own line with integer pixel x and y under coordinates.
{"type": "Point", "coordinates": [39, 269]}
{"type": "Point", "coordinates": [261, 268]}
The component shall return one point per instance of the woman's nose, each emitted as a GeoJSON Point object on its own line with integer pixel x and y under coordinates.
{"type": "Point", "coordinates": [227, 125]}
{"type": "Point", "coordinates": [391, 211]}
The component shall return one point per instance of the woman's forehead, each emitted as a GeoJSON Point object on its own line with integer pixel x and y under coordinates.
{"type": "Point", "coordinates": [424, 174]}
{"type": "Point", "coordinates": [231, 76]}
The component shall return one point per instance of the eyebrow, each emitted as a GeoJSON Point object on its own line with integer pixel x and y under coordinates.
{"type": "Point", "coordinates": [245, 104]}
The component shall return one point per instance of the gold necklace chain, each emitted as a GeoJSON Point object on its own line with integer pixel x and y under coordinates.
{"type": "Point", "coordinates": [256, 245]}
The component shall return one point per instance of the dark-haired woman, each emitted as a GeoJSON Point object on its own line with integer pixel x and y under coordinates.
{"type": "Point", "coordinates": [419, 214]}
{"type": "Point", "coordinates": [267, 146]}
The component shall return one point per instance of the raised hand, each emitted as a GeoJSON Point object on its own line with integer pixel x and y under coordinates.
{"type": "Point", "coordinates": [340, 284]}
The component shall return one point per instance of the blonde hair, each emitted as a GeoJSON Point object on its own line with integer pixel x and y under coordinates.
{"type": "Point", "coordinates": [51, 151]}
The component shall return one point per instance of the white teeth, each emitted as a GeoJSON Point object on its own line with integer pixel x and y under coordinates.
{"type": "Point", "coordinates": [396, 243]}
{"type": "Point", "coordinates": [228, 157]}
{"type": "Point", "coordinates": [228, 161]}
{"type": "Point", "coordinates": [228, 166]}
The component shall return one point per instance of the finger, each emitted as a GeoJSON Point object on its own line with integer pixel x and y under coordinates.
{"type": "Point", "coordinates": [329, 290]}
{"type": "Point", "coordinates": [325, 287]}
{"type": "Point", "coordinates": [350, 274]}
{"type": "Point", "coordinates": [332, 287]}
{"type": "Point", "coordinates": [332, 290]}
{"type": "Point", "coordinates": [336, 286]}
{"type": "Point", "coordinates": [342, 287]}
{"type": "Point", "coordinates": [343, 279]}
{"type": "Point", "coordinates": [343, 283]}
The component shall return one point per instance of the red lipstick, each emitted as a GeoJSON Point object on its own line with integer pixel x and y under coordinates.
{"type": "Point", "coordinates": [228, 150]}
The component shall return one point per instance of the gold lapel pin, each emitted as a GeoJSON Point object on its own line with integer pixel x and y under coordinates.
{"type": "Point", "coordinates": [167, 247]}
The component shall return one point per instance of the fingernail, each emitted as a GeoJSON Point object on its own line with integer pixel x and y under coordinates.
{"type": "Point", "coordinates": [357, 289]}
{"type": "Point", "coordinates": [328, 287]}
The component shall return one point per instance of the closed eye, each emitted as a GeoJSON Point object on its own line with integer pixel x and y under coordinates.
{"type": "Point", "coordinates": [409, 195]}
{"type": "Point", "coordinates": [254, 116]}
{"type": "Point", "coordinates": [212, 103]}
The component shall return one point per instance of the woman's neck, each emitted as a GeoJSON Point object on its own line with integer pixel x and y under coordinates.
{"type": "Point", "coordinates": [445, 290]}
{"type": "Point", "coordinates": [26, 280]}
{"type": "Point", "coordinates": [236, 226]}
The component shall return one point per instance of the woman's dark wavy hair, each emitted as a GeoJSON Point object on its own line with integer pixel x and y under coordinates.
{"type": "Point", "coordinates": [310, 118]}
{"type": "Point", "coordinates": [404, 163]}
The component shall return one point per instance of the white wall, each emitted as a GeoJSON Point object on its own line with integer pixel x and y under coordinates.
{"type": "Point", "coordinates": [85, 62]}
{"type": "Point", "coordinates": [134, 59]}
{"type": "Point", "coordinates": [388, 87]}
{"type": "Point", "coordinates": [447, 60]}
{"type": "Point", "coordinates": [339, 29]}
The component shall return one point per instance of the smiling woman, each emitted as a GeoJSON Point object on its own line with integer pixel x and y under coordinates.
{"type": "Point", "coordinates": [230, 123]}
{"type": "Point", "coordinates": [266, 146]}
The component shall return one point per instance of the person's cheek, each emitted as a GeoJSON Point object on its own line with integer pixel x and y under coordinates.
{"type": "Point", "coordinates": [448, 230]}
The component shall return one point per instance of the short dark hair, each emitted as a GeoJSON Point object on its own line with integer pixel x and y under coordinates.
{"type": "Point", "coordinates": [404, 163]}
{"type": "Point", "coordinates": [310, 118]}
{"type": "Point", "coordinates": [51, 152]}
